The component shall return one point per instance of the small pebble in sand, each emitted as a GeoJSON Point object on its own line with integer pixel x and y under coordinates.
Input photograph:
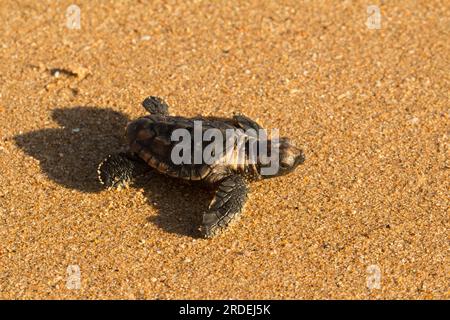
{"type": "Point", "coordinates": [344, 95]}
{"type": "Point", "coordinates": [414, 120]}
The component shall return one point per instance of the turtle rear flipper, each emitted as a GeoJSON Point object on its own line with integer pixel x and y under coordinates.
{"type": "Point", "coordinates": [118, 170]}
{"type": "Point", "coordinates": [155, 105]}
{"type": "Point", "coordinates": [227, 204]}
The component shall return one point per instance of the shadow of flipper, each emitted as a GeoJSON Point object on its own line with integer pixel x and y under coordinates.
{"type": "Point", "coordinates": [180, 206]}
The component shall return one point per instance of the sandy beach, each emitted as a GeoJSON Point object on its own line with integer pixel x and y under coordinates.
{"type": "Point", "coordinates": [365, 217]}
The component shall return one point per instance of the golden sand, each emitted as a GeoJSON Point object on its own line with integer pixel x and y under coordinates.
{"type": "Point", "coordinates": [369, 107]}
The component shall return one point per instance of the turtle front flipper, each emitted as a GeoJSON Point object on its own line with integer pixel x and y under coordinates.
{"type": "Point", "coordinates": [118, 170]}
{"type": "Point", "coordinates": [227, 204]}
{"type": "Point", "coordinates": [155, 105]}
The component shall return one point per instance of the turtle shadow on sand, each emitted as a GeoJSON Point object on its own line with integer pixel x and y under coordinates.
{"type": "Point", "coordinates": [69, 155]}
{"type": "Point", "coordinates": [179, 204]}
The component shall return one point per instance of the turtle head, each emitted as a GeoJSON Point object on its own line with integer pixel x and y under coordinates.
{"type": "Point", "coordinates": [284, 158]}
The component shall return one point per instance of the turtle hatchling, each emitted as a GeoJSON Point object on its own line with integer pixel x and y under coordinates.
{"type": "Point", "coordinates": [154, 142]}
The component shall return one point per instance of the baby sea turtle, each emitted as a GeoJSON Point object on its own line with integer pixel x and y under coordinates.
{"type": "Point", "coordinates": [151, 146]}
